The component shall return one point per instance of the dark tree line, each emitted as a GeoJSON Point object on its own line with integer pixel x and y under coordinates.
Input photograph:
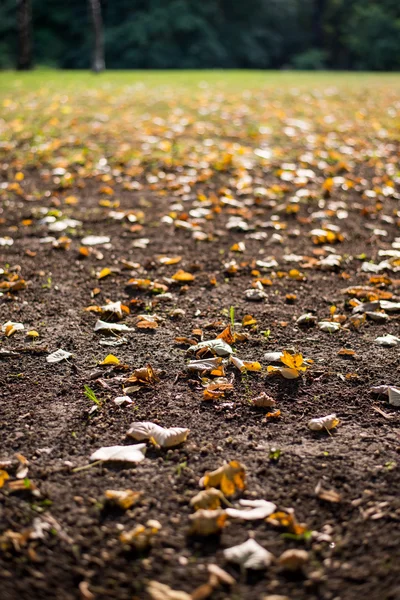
{"type": "Point", "coordinates": [303, 34]}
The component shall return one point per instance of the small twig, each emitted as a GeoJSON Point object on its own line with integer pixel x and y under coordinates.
{"type": "Point", "coordinates": [89, 466]}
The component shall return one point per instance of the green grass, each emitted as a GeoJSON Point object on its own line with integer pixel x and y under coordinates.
{"type": "Point", "coordinates": [227, 79]}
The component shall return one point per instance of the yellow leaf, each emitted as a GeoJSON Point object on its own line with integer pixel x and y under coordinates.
{"type": "Point", "coordinates": [293, 361]}
{"type": "Point", "coordinates": [104, 273]}
{"type": "Point", "coordinates": [110, 359]}
{"type": "Point", "coordinates": [228, 477]}
{"type": "Point", "coordinates": [169, 260]}
{"type": "Point", "coordinates": [248, 320]}
{"type": "Point", "coordinates": [3, 477]}
{"type": "Point", "coordinates": [183, 276]}
{"type": "Point", "coordinates": [32, 334]}
{"type": "Point", "coordinates": [252, 366]}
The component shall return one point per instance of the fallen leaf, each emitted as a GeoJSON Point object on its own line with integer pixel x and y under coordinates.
{"type": "Point", "coordinates": [141, 536]}
{"type": "Point", "coordinates": [58, 356]}
{"type": "Point", "coordinates": [123, 498]}
{"type": "Point", "coordinates": [110, 359]}
{"type": "Point", "coordinates": [249, 555]}
{"type": "Point", "coordinates": [263, 401]}
{"type": "Point", "coordinates": [257, 509]}
{"type": "Point", "coordinates": [323, 423]}
{"type": "Point", "coordinates": [183, 276]}
{"type": "Point", "coordinates": [129, 454]}
{"type": "Point", "coordinates": [209, 499]}
{"type": "Point", "coordinates": [229, 477]}
{"type": "Point", "coordinates": [160, 591]}
{"type": "Point", "coordinates": [217, 346]}
{"type": "Point", "coordinates": [207, 522]}
{"type": "Point", "coordinates": [160, 436]}
{"type": "Point", "coordinates": [293, 559]}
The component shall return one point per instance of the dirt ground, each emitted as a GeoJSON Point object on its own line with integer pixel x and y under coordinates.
{"type": "Point", "coordinates": [59, 538]}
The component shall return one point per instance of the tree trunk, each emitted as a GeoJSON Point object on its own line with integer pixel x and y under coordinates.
{"type": "Point", "coordinates": [24, 27]}
{"type": "Point", "coordinates": [318, 23]}
{"type": "Point", "coordinates": [98, 63]}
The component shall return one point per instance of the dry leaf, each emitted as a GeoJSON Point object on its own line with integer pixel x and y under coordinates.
{"type": "Point", "coordinates": [324, 423]}
{"type": "Point", "coordinates": [141, 536]}
{"type": "Point", "coordinates": [229, 478]}
{"type": "Point", "coordinates": [204, 364]}
{"type": "Point", "coordinates": [58, 356]}
{"type": "Point", "coordinates": [160, 591]}
{"type": "Point", "coordinates": [217, 346]}
{"type": "Point", "coordinates": [3, 477]}
{"type": "Point", "coordinates": [263, 401]}
{"type": "Point", "coordinates": [123, 498]}
{"type": "Point", "coordinates": [110, 359]}
{"type": "Point", "coordinates": [249, 555]}
{"type": "Point", "coordinates": [160, 436]}
{"type": "Point", "coordinates": [129, 454]}
{"type": "Point", "coordinates": [293, 559]}
{"type": "Point", "coordinates": [288, 521]}
{"type": "Point", "coordinates": [257, 509]}
{"type": "Point", "coordinates": [327, 495]}
{"type": "Point", "coordinates": [144, 376]}
{"type": "Point", "coordinates": [207, 522]}
{"type": "Point", "coordinates": [209, 499]}
{"type": "Point", "coordinates": [183, 276]}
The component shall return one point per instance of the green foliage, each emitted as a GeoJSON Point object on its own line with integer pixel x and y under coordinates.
{"type": "Point", "coordinates": [90, 394]}
{"type": "Point", "coordinates": [144, 34]}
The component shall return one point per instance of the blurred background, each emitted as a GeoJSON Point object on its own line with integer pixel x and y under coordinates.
{"type": "Point", "coordinates": [200, 34]}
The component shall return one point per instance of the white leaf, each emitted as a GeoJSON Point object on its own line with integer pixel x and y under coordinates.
{"type": "Point", "coordinates": [394, 396]}
{"type": "Point", "coordinates": [160, 591]}
{"type": "Point", "coordinates": [113, 307]}
{"type": "Point", "coordinates": [104, 326]}
{"type": "Point", "coordinates": [58, 355]}
{"type": "Point", "coordinates": [6, 241]}
{"type": "Point", "coordinates": [328, 422]}
{"type": "Point", "coordinates": [118, 342]}
{"type": "Point", "coordinates": [273, 357]}
{"type": "Point", "coordinates": [94, 240]}
{"type": "Point", "coordinates": [380, 389]}
{"type": "Point", "coordinates": [62, 225]}
{"type": "Point", "coordinates": [205, 364]}
{"type": "Point", "coordinates": [14, 326]}
{"type": "Point", "coordinates": [122, 400]}
{"type": "Point", "coordinates": [166, 438]}
{"type": "Point", "coordinates": [217, 346]}
{"type": "Point", "coordinates": [258, 509]}
{"type": "Point", "coordinates": [329, 326]}
{"type": "Point", "coordinates": [250, 555]}
{"type": "Point", "coordinates": [390, 306]}
{"type": "Point", "coordinates": [387, 340]}
{"type": "Point", "coordinates": [132, 454]}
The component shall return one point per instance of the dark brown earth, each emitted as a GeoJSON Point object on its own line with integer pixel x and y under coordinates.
{"type": "Point", "coordinates": [45, 414]}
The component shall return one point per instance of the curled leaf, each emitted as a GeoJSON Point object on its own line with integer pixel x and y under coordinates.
{"type": "Point", "coordinates": [255, 510]}
{"type": "Point", "coordinates": [160, 436]}
{"type": "Point", "coordinates": [207, 522]}
{"type": "Point", "coordinates": [123, 498]}
{"type": "Point", "coordinates": [229, 478]}
{"type": "Point", "coordinates": [320, 423]}
{"type": "Point", "coordinates": [217, 346]}
{"type": "Point", "coordinates": [141, 536]}
{"type": "Point", "coordinates": [294, 559]}
{"type": "Point", "coordinates": [249, 555]}
{"type": "Point", "coordinates": [58, 356]}
{"type": "Point", "coordinates": [263, 401]}
{"type": "Point", "coordinates": [129, 454]}
{"type": "Point", "coordinates": [208, 499]}
{"type": "Point", "coordinates": [160, 591]}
